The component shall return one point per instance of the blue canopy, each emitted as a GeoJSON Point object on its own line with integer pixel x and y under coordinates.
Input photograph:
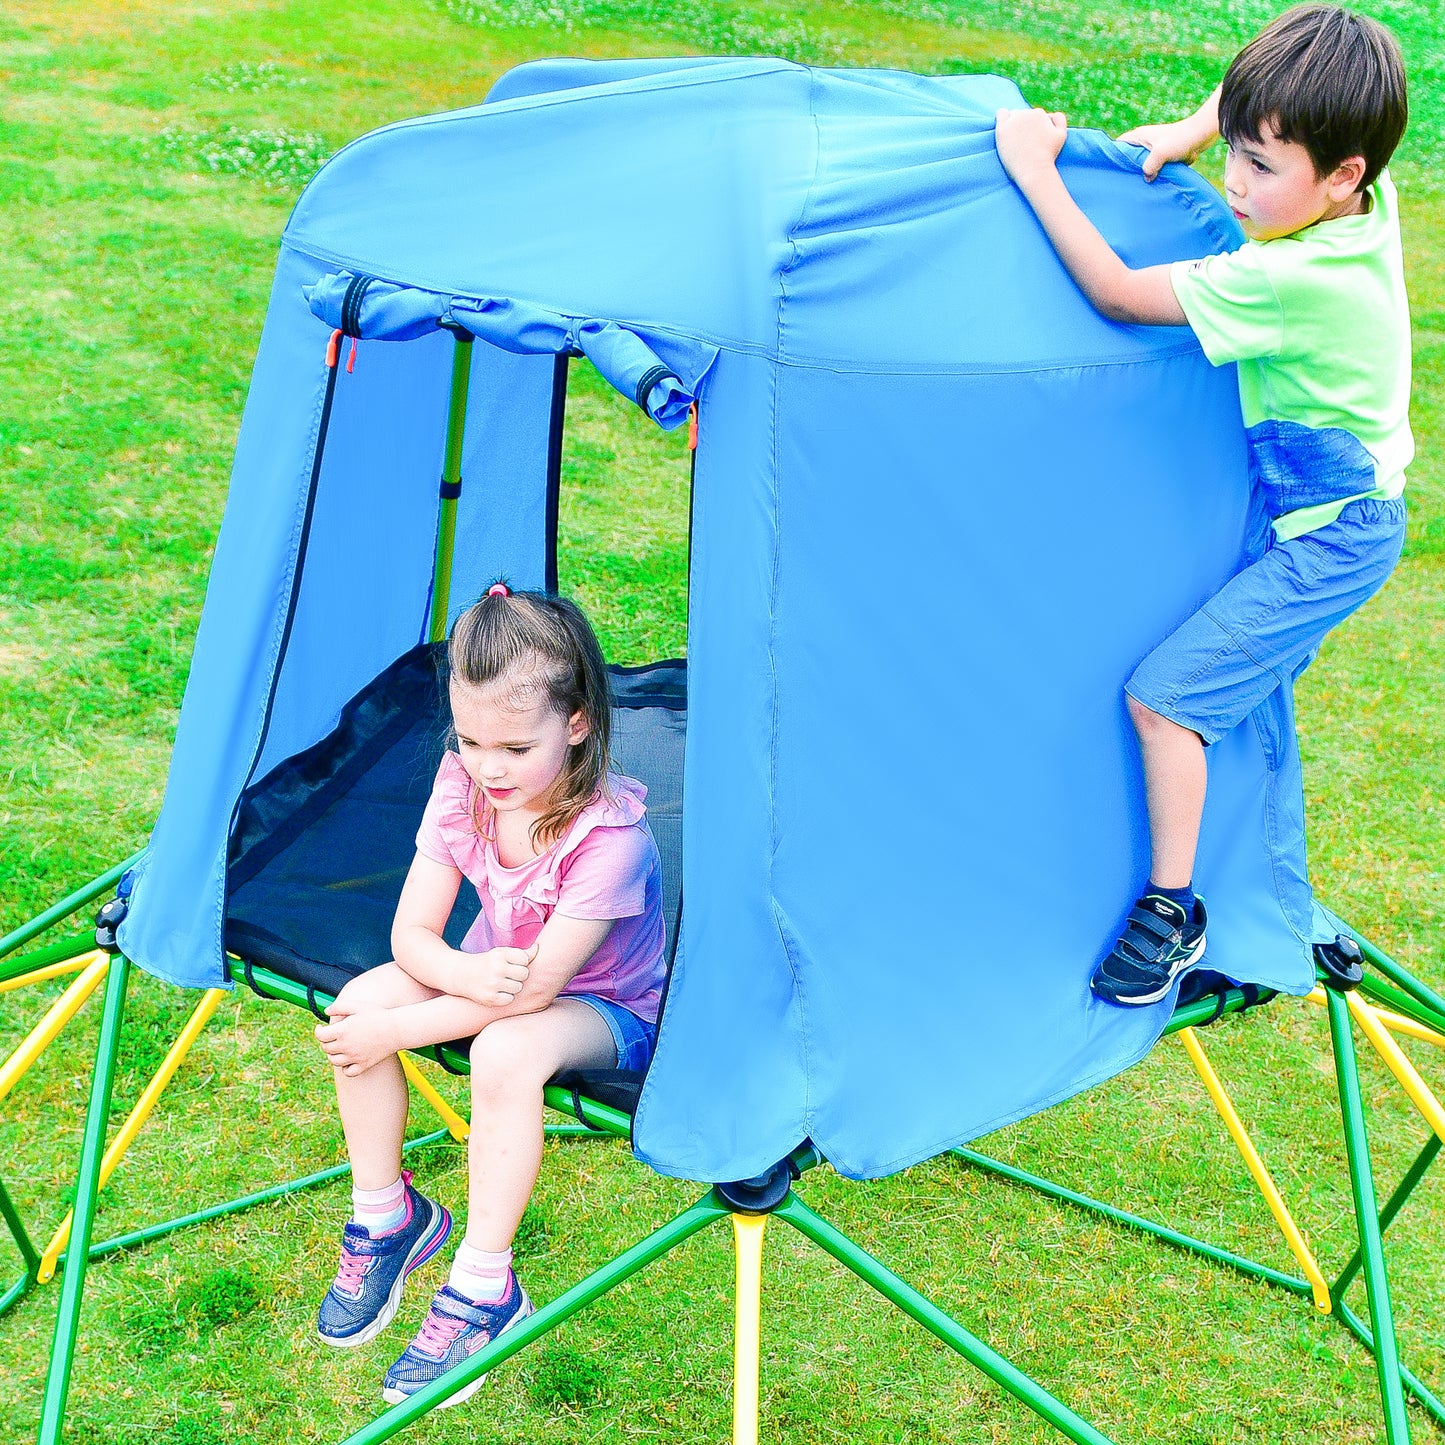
{"type": "Point", "coordinates": [929, 486]}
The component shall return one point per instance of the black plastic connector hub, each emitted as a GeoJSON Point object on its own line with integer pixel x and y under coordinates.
{"type": "Point", "coordinates": [1341, 963]}
{"type": "Point", "coordinates": [761, 1194]}
{"type": "Point", "coordinates": [107, 921]}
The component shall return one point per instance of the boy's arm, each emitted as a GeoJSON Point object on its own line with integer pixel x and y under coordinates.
{"type": "Point", "coordinates": [1177, 140]}
{"type": "Point", "coordinates": [1029, 142]}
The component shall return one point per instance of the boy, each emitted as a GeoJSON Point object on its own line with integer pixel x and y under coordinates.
{"type": "Point", "coordinates": [1313, 309]}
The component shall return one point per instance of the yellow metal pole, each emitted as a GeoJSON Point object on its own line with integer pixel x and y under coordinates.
{"type": "Point", "coordinates": [56, 1017]}
{"type": "Point", "coordinates": [747, 1338]}
{"type": "Point", "coordinates": [51, 970]}
{"type": "Point", "coordinates": [457, 1127]}
{"type": "Point", "coordinates": [1258, 1172]}
{"type": "Point", "coordinates": [210, 1000]}
{"type": "Point", "coordinates": [1396, 1023]}
{"type": "Point", "coordinates": [1395, 1060]}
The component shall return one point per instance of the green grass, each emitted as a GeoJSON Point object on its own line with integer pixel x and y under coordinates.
{"type": "Point", "coordinates": [149, 154]}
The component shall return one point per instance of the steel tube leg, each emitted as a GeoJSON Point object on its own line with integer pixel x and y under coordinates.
{"type": "Point", "coordinates": [896, 1291]}
{"type": "Point", "coordinates": [747, 1338]}
{"type": "Point", "coordinates": [1362, 1183]}
{"type": "Point", "coordinates": [87, 1188]}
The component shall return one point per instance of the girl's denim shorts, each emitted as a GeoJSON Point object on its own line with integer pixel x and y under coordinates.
{"type": "Point", "coordinates": [634, 1037]}
{"type": "Point", "coordinates": [1264, 626]}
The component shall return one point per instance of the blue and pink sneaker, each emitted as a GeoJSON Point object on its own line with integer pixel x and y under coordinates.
{"type": "Point", "coordinates": [455, 1329]}
{"type": "Point", "coordinates": [367, 1289]}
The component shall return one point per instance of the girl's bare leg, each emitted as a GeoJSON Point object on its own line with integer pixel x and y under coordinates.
{"type": "Point", "coordinates": [512, 1059]}
{"type": "Point", "coordinates": [1175, 777]}
{"type": "Point", "coordinates": [373, 1100]}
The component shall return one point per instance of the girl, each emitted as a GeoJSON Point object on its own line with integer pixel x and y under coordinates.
{"type": "Point", "coordinates": [562, 969]}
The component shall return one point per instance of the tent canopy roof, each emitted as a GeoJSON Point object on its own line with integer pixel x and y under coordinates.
{"type": "Point", "coordinates": [852, 219]}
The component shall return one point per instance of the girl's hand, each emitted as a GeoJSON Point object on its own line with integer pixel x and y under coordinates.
{"type": "Point", "coordinates": [496, 976]}
{"type": "Point", "coordinates": [1029, 141]}
{"type": "Point", "coordinates": [356, 1042]}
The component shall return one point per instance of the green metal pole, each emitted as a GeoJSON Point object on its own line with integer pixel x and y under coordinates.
{"type": "Point", "coordinates": [933, 1319]}
{"type": "Point", "coordinates": [29, 1255]}
{"type": "Point", "coordinates": [1206, 1010]}
{"type": "Point", "coordinates": [1362, 1183]}
{"type": "Point", "coordinates": [1423, 1161]}
{"type": "Point", "coordinates": [87, 1189]}
{"type": "Point", "coordinates": [1401, 977]}
{"type": "Point", "coordinates": [673, 1233]}
{"type": "Point", "coordinates": [61, 952]}
{"type": "Point", "coordinates": [67, 906]}
{"type": "Point", "coordinates": [1378, 991]}
{"type": "Point", "coordinates": [1424, 1397]}
{"type": "Point", "coordinates": [451, 485]}
{"type": "Point", "coordinates": [1136, 1221]}
{"type": "Point", "coordinates": [235, 1206]}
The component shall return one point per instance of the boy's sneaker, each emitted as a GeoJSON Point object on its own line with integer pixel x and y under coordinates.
{"type": "Point", "coordinates": [1158, 943]}
{"type": "Point", "coordinates": [454, 1329]}
{"type": "Point", "coordinates": [367, 1289]}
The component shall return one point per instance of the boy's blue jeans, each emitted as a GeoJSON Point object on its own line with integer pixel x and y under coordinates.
{"type": "Point", "coordinates": [1264, 626]}
{"type": "Point", "coordinates": [1239, 655]}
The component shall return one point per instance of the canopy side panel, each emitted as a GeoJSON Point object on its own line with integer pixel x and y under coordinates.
{"type": "Point", "coordinates": [960, 823]}
{"type": "Point", "coordinates": [174, 926]}
{"type": "Point", "coordinates": [727, 1094]}
{"type": "Point", "coordinates": [365, 591]}
{"type": "Point", "coordinates": [361, 596]}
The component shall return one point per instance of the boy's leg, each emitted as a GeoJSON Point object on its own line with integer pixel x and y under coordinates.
{"type": "Point", "coordinates": [1251, 638]}
{"type": "Point", "coordinates": [1174, 785]}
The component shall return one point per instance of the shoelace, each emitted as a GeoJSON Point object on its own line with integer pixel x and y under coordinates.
{"type": "Point", "coordinates": [351, 1273]}
{"type": "Point", "coordinates": [439, 1332]}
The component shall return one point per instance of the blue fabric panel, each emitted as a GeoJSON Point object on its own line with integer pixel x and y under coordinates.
{"type": "Point", "coordinates": [364, 593]}
{"type": "Point", "coordinates": [958, 824]}
{"type": "Point", "coordinates": [661, 201]}
{"type": "Point", "coordinates": [916, 250]}
{"type": "Point", "coordinates": [367, 575]}
{"type": "Point", "coordinates": [174, 927]}
{"type": "Point", "coordinates": [726, 1096]}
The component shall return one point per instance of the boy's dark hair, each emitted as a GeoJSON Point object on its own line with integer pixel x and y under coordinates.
{"type": "Point", "coordinates": [545, 644]}
{"type": "Point", "coordinates": [1330, 80]}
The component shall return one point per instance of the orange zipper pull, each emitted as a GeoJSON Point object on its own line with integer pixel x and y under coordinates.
{"type": "Point", "coordinates": [351, 360]}
{"type": "Point", "coordinates": [692, 427]}
{"type": "Point", "coordinates": [332, 348]}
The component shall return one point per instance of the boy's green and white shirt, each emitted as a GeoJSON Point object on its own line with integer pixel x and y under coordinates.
{"type": "Point", "coordinates": [1320, 327]}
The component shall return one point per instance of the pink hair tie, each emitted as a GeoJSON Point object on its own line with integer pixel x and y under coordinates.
{"type": "Point", "coordinates": [499, 589]}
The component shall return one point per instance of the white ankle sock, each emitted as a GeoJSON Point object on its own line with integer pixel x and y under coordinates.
{"type": "Point", "coordinates": [379, 1211]}
{"type": "Point", "coordinates": [480, 1274]}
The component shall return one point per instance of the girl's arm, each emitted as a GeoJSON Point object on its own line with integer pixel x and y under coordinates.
{"type": "Point", "coordinates": [417, 945]}
{"type": "Point", "coordinates": [505, 980]}
{"type": "Point", "coordinates": [357, 1039]}
{"type": "Point", "coordinates": [1029, 142]}
{"type": "Point", "coordinates": [1177, 140]}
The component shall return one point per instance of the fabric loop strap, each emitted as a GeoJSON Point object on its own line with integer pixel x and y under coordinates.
{"type": "Point", "coordinates": [649, 379]}
{"type": "Point", "coordinates": [450, 491]}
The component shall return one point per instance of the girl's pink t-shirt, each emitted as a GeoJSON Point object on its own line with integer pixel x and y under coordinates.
{"type": "Point", "coordinates": [605, 865]}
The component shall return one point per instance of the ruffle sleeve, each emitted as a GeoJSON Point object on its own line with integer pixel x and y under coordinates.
{"type": "Point", "coordinates": [447, 833]}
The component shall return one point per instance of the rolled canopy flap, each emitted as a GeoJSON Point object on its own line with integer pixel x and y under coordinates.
{"type": "Point", "coordinates": [660, 372]}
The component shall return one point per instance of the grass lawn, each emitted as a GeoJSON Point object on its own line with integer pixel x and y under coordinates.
{"type": "Point", "coordinates": [149, 154]}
